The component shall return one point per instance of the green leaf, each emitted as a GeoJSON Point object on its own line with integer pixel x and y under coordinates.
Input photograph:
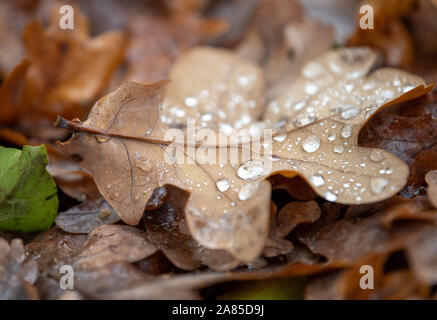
{"type": "Point", "coordinates": [28, 194]}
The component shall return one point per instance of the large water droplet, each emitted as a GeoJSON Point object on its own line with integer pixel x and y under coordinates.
{"type": "Point", "coordinates": [330, 196]}
{"type": "Point", "coordinates": [311, 143]}
{"type": "Point", "coordinates": [350, 113]}
{"type": "Point", "coordinates": [317, 181]}
{"type": "Point", "coordinates": [378, 184]}
{"type": "Point", "coordinates": [247, 191]}
{"type": "Point", "coordinates": [222, 184]}
{"type": "Point", "coordinates": [338, 149]}
{"type": "Point", "coordinates": [252, 170]}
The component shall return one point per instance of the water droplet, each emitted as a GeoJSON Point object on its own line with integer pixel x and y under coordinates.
{"type": "Point", "coordinates": [102, 138]}
{"type": "Point", "coordinates": [299, 105]}
{"type": "Point", "coordinates": [206, 117]}
{"type": "Point", "coordinates": [247, 191]}
{"type": "Point", "coordinates": [311, 143]}
{"type": "Point", "coordinates": [378, 184]}
{"type": "Point", "coordinates": [346, 131]}
{"type": "Point", "coordinates": [311, 88]}
{"type": "Point", "coordinates": [376, 155]}
{"type": "Point", "coordinates": [280, 137]}
{"type": "Point", "coordinates": [252, 170]}
{"type": "Point", "coordinates": [222, 184]}
{"type": "Point", "coordinates": [338, 149]}
{"type": "Point", "coordinates": [317, 181]}
{"type": "Point", "coordinates": [243, 81]}
{"type": "Point", "coordinates": [332, 137]}
{"type": "Point", "coordinates": [190, 102]}
{"type": "Point", "coordinates": [303, 120]}
{"type": "Point", "coordinates": [350, 113]}
{"type": "Point", "coordinates": [330, 196]}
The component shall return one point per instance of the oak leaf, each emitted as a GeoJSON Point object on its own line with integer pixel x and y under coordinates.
{"type": "Point", "coordinates": [123, 144]}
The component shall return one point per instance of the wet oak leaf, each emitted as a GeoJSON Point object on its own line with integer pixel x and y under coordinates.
{"type": "Point", "coordinates": [128, 170]}
{"type": "Point", "coordinates": [320, 115]}
{"type": "Point", "coordinates": [223, 90]}
{"type": "Point", "coordinates": [123, 144]}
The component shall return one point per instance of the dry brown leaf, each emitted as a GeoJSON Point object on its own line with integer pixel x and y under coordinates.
{"type": "Point", "coordinates": [16, 275]}
{"type": "Point", "coordinates": [167, 229]}
{"type": "Point", "coordinates": [295, 213]}
{"type": "Point", "coordinates": [65, 69]}
{"type": "Point", "coordinates": [156, 41]}
{"type": "Point", "coordinates": [11, 94]}
{"type": "Point", "coordinates": [392, 130]}
{"type": "Point", "coordinates": [86, 216]}
{"type": "Point", "coordinates": [126, 124]}
{"type": "Point", "coordinates": [389, 34]}
{"type": "Point", "coordinates": [108, 244]}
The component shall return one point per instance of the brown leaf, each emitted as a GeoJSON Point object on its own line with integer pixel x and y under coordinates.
{"type": "Point", "coordinates": [108, 244]}
{"type": "Point", "coordinates": [16, 275]}
{"type": "Point", "coordinates": [409, 131]}
{"type": "Point", "coordinates": [295, 213]}
{"type": "Point", "coordinates": [167, 229]}
{"type": "Point", "coordinates": [324, 152]}
{"type": "Point", "coordinates": [11, 94]}
{"type": "Point", "coordinates": [86, 216]}
{"type": "Point", "coordinates": [156, 41]}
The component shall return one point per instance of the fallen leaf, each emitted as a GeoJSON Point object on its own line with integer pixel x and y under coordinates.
{"type": "Point", "coordinates": [16, 275]}
{"type": "Point", "coordinates": [156, 41]}
{"type": "Point", "coordinates": [389, 34]}
{"type": "Point", "coordinates": [11, 94]}
{"type": "Point", "coordinates": [108, 244]}
{"type": "Point", "coordinates": [86, 216]}
{"type": "Point", "coordinates": [391, 130]}
{"type": "Point", "coordinates": [28, 195]}
{"type": "Point", "coordinates": [167, 229]}
{"type": "Point", "coordinates": [319, 143]}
